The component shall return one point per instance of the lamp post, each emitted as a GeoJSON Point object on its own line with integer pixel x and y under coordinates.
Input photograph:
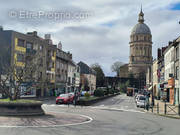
{"type": "Point", "coordinates": [152, 86]}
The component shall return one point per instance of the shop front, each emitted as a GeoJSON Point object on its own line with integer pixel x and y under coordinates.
{"type": "Point", "coordinates": [60, 88]}
{"type": "Point", "coordinates": [171, 85]}
{"type": "Point", "coordinates": [164, 92]}
{"type": "Point", "coordinates": [28, 89]}
{"type": "Point", "coordinates": [176, 92]}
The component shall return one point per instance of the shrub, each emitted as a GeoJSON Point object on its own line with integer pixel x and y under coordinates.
{"type": "Point", "coordinates": [116, 91]}
{"type": "Point", "coordinates": [87, 95]}
{"type": "Point", "coordinates": [106, 92]}
{"type": "Point", "coordinates": [99, 93]}
{"type": "Point", "coordinates": [111, 91]}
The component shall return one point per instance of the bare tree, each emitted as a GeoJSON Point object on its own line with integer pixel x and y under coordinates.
{"type": "Point", "coordinates": [116, 67]}
{"type": "Point", "coordinates": [14, 76]}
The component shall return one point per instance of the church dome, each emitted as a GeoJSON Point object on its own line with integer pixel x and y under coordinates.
{"type": "Point", "coordinates": [141, 28]}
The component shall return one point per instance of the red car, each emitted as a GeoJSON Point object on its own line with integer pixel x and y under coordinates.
{"type": "Point", "coordinates": [64, 99]}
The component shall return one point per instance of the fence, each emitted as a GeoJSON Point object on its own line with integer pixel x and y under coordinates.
{"type": "Point", "coordinates": [164, 108]}
{"type": "Point", "coordinates": [171, 109]}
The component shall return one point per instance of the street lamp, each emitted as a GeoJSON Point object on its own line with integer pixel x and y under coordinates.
{"type": "Point", "coordinates": [152, 86]}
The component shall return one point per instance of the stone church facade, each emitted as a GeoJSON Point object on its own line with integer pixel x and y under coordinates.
{"type": "Point", "coordinates": [140, 48]}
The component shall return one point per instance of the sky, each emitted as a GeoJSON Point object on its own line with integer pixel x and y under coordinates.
{"type": "Point", "coordinates": [95, 31]}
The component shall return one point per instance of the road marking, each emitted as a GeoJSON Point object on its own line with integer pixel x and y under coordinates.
{"type": "Point", "coordinates": [54, 105]}
{"type": "Point", "coordinates": [118, 109]}
{"type": "Point", "coordinates": [52, 126]}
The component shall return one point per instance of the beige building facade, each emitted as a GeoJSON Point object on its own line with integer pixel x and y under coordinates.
{"type": "Point", "coordinates": [155, 78]}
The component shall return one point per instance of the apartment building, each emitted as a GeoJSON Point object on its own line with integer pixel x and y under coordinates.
{"type": "Point", "coordinates": [155, 79]}
{"type": "Point", "coordinates": [87, 77]}
{"type": "Point", "coordinates": [18, 48]}
{"type": "Point", "coordinates": [62, 61]}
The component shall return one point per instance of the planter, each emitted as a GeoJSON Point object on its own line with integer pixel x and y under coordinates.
{"type": "Point", "coordinates": [21, 109]}
{"type": "Point", "coordinates": [90, 102]}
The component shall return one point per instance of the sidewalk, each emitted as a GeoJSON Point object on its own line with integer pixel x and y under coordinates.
{"type": "Point", "coordinates": [165, 109]}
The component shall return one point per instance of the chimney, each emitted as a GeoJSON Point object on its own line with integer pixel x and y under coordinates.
{"type": "Point", "coordinates": [34, 33]}
{"type": "Point", "coordinates": [170, 42]}
{"type": "Point", "coordinates": [159, 53]}
{"type": "Point", "coordinates": [69, 54]}
{"type": "Point", "coordinates": [48, 38]}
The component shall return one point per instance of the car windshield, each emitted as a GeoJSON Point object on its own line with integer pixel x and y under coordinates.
{"type": "Point", "coordinates": [64, 95]}
{"type": "Point", "coordinates": [142, 98]}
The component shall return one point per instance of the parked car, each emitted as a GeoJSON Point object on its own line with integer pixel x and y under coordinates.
{"type": "Point", "coordinates": [141, 101]}
{"type": "Point", "coordinates": [64, 99]}
{"type": "Point", "coordinates": [137, 96]}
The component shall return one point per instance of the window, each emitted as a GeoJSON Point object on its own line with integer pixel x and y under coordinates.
{"type": "Point", "coordinates": [40, 75]}
{"type": "Point", "coordinates": [29, 45]}
{"type": "Point", "coordinates": [145, 38]}
{"type": "Point", "coordinates": [20, 58]}
{"type": "Point", "coordinates": [177, 73]}
{"type": "Point", "coordinates": [21, 42]}
{"type": "Point", "coordinates": [40, 47]}
{"type": "Point", "coordinates": [41, 61]}
{"type": "Point", "coordinates": [136, 38]}
{"type": "Point", "coordinates": [132, 58]}
{"type": "Point", "coordinates": [177, 53]}
{"type": "Point", "coordinates": [53, 64]}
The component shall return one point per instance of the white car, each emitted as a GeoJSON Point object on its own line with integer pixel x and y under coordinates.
{"type": "Point", "coordinates": [137, 96]}
{"type": "Point", "coordinates": [141, 101]}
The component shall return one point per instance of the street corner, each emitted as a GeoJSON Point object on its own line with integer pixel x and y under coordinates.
{"type": "Point", "coordinates": [51, 119]}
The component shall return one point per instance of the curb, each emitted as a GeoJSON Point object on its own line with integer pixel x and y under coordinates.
{"type": "Point", "coordinates": [162, 115]}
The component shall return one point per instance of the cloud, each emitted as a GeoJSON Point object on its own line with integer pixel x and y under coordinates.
{"type": "Point", "coordinates": [103, 37]}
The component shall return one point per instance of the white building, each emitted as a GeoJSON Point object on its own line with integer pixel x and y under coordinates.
{"type": "Point", "coordinates": [77, 78]}
{"type": "Point", "coordinates": [71, 76]}
{"type": "Point", "coordinates": [155, 79]}
{"type": "Point", "coordinates": [169, 62]}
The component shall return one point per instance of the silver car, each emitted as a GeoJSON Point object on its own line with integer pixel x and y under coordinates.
{"type": "Point", "coordinates": [141, 101]}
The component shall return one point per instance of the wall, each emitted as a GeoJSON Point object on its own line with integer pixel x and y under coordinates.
{"type": "Point", "coordinates": [169, 62]}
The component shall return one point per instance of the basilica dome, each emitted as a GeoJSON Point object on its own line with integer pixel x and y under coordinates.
{"type": "Point", "coordinates": [140, 28]}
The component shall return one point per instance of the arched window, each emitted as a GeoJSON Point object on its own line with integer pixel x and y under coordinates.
{"type": "Point", "coordinates": [146, 50]}
{"type": "Point", "coordinates": [141, 51]}
{"type": "Point", "coordinates": [144, 38]}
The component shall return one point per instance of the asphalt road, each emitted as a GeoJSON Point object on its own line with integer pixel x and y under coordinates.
{"type": "Point", "coordinates": [115, 116]}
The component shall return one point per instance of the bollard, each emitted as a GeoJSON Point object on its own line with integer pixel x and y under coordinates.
{"type": "Point", "coordinates": [179, 109]}
{"type": "Point", "coordinates": [68, 104]}
{"type": "Point", "coordinates": [152, 108]}
{"type": "Point", "coordinates": [144, 106]}
{"type": "Point", "coordinates": [157, 108]}
{"type": "Point", "coordinates": [147, 107]}
{"type": "Point", "coordinates": [165, 108]}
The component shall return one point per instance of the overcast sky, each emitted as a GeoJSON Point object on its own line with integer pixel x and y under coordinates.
{"type": "Point", "coordinates": [94, 31]}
